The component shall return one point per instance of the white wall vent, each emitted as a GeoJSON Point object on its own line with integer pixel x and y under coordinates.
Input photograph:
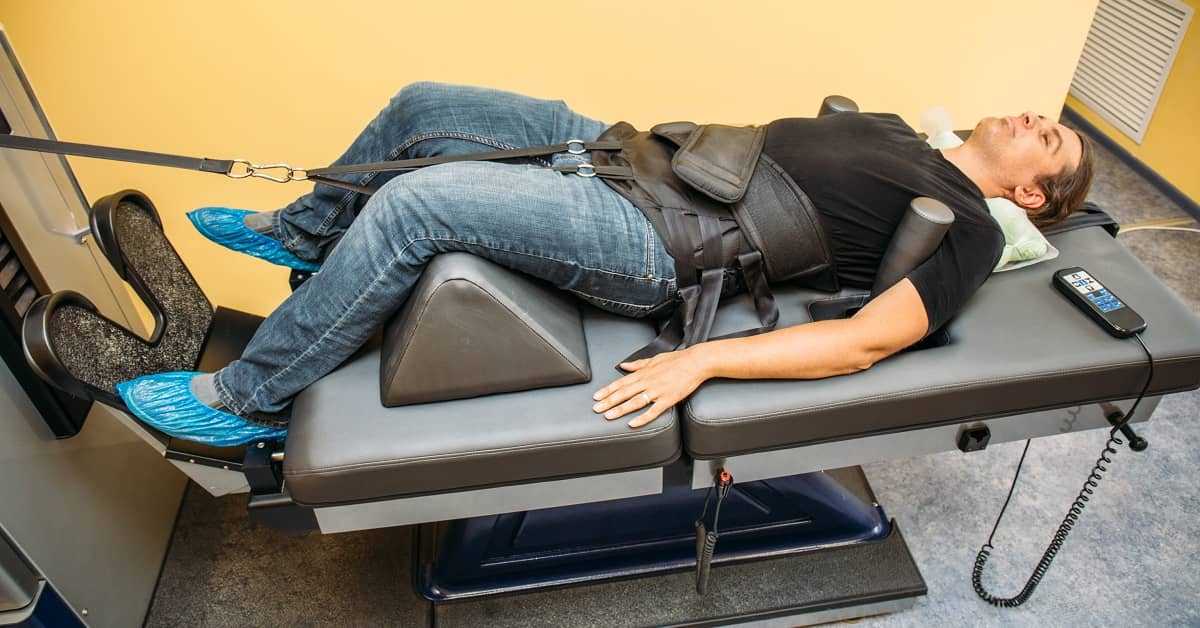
{"type": "Point", "coordinates": [1126, 59]}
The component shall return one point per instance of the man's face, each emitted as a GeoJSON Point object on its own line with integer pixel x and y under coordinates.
{"type": "Point", "coordinates": [1024, 149]}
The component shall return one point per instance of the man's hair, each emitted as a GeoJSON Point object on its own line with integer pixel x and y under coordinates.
{"type": "Point", "coordinates": [1066, 190]}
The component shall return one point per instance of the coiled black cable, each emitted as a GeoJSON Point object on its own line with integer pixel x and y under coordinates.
{"type": "Point", "coordinates": [706, 540]}
{"type": "Point", "coordinates": [1068, 522]}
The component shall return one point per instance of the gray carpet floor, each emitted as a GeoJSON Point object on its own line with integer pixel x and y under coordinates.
{"type": "Point", "coordinates": [1132, 559]}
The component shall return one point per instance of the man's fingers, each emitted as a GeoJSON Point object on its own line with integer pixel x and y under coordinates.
{"type": "Point", "coordinates": [658, 408]}
{"type": "Point", "coordinates": [615, 397]}
{"type": "Point", "coordinates": [634, 365]}
{"type": "Point", "coordinates": [632, 404]}
{"type": "Point", "coordinates": [615, 386]}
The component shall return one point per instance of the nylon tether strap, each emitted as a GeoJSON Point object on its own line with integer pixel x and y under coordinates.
{"type": "Point", "coordinates": [241, 168]}
{"type": "Point", "coordinates": [219, 166]}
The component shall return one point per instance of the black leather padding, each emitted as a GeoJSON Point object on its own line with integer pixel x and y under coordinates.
{"type": "Point", "coordinates": [473, 328]}
{"type": "Point", "coordinates": [719, 159]}
{"type": "Point", "coordinates": [1018, 346]}
{"type": "Point", "coordinates": [344, 447]}
{"type": "Point", "coordinates": [918, 235]}
{"type": "Point", "coordinates": [836, 104]}
{"type": "Point", "coordinates": [73, 346]}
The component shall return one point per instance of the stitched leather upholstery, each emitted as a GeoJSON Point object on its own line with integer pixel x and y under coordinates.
{"type": "Point", "coordinates": [1018, 346]}
{"type": "Point", "coordinates": [344, 446]}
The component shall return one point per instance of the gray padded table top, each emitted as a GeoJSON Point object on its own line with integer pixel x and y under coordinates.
{"type": "Point", "coordinates": [344, 446]}
{"type": "Point", "coordinates": [1018, 346]}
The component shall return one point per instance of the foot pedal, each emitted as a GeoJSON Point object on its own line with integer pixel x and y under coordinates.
{"type": "Point", "coordinates": [71, 345]}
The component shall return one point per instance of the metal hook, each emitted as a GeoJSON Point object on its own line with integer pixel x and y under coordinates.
{"type": "Point", "coordinates": [255, 170]}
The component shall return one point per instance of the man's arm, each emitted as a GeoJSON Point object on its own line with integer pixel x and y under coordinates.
{"type": "Point", "coordinates": [889, 323]}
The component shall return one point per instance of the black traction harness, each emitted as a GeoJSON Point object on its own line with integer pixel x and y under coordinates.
{"type": "Point", "coordinates": [714, 199]}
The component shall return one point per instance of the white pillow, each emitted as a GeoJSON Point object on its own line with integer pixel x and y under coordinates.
{"type": "Point", "coordinates": [1024, 244]}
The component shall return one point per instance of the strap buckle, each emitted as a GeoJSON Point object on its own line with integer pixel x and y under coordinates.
{"type": "Point", "coordinates": [576, 147]}
{"type": "Point", "coordinates": [258, 170]}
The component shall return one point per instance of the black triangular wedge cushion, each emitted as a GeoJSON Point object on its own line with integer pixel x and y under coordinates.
{"type": "Point", "coordinates": [473, 328]}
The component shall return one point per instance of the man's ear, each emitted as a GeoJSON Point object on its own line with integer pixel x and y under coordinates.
{"type": "Point", "coordinates": [1029, 197]}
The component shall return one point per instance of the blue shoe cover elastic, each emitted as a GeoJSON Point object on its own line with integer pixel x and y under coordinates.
{"type": "Point", "coordinates": [166, 403]}
{"type": "Point", "coordinates": [225, 226]}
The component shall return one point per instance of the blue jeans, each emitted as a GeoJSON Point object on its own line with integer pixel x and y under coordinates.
{"type": "Point", "coordinates": [571, 231]}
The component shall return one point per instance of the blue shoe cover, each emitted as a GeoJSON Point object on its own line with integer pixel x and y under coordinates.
{"type": "Point", "coordinates": [225, 226]}
{"type": "Point", "coordinates": [165, 402]}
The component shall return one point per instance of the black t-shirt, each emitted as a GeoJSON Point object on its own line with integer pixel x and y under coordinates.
{"type": "Point", "coordinates": [861, 171]}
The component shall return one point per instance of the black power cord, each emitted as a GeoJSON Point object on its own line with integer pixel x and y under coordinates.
{"type": "Point", "coordinates": [1072, 517]}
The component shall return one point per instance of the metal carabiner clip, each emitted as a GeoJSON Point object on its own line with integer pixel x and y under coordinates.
{"type": "Point", "coordinates": [255, 170]}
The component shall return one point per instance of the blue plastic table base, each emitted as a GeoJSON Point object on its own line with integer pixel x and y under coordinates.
{"type": "Point", "coordinates": [643, 535]}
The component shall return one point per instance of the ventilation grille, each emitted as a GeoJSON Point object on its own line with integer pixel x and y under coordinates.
{"type": "Point", "coordinates": [1126, 59]}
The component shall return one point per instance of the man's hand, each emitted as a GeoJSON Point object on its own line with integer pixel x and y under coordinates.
{"type": "Point", "coordinates": [889, 323]}
{"type": "Point", "coordinates": [658, 383]}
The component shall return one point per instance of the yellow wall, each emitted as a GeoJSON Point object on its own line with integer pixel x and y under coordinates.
{"type": "Point", "coordinates": [294, 81]}
{"type": "Point", "coordinates": [1169, 147]}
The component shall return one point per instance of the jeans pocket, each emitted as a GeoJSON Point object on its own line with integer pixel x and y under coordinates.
{"type": "Point", "coordinates": [631, 310]}
{"type": "Point", "coordinates": [668, 304]}
{"type": "Point", "coordinates": [638, 299]}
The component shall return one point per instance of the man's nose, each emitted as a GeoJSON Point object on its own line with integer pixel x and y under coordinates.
{"type": "Point", "coordinates": [1029, 119]}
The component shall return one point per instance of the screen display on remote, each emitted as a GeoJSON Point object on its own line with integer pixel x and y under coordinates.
{"type": "Point", "coordinates": [1094, 292]}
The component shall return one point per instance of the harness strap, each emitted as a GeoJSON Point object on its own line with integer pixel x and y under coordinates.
{"type": "Point", "coordinates": [353, 187]}
{"type": "Point", "coordinates": [666, 341]}
{"type": "Point", "coordinates": [688, 291]}
{"type": "Point", "coordinates": [575, 147]}
{"type": "Point", "coordinates": [712, 276]}
{"type": "Point", "coordinates": [203, 164]}
{"type": "Point", "coordinates": [683, 237]}
{"type": "Point", "coordinates": [240, 168]}
{"type": "Point", "coordinates": [764, 302]}
{"type": "Point", "coordinates": [756, 284]}
{"type": "Point", "coordinates": [692, 320]}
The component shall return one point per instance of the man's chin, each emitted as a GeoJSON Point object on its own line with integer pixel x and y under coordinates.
{"type": "Point", "coordinates": [986, 126]}
{"type": "Point", "coordinates": [992, 130]}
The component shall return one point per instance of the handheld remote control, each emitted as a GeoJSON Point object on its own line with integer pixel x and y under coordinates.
{"type": "Point", "coordinates": [1098, 302]}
